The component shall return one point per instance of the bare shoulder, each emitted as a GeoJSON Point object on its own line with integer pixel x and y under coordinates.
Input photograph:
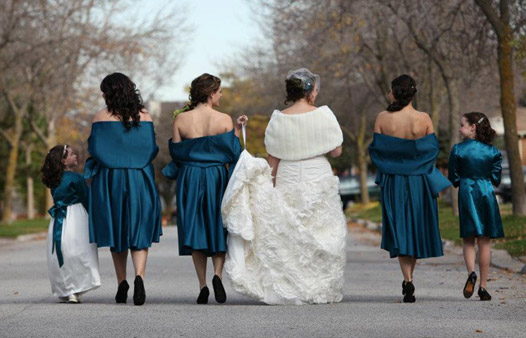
{"type": "Point", "coordinates": [145, 115]}
{"type": "Point", "coordinates": [383, 115]}
{"type": "Point", "coordinates": [180, 118]}
{"type": "Point", "coordinates": [425, 120]}
{"type": "Point", "coordinates": [225, 120]}
{"type": "Point", "coordinates": [424, 117]}
{"type": "Point", "coordinates": [102, 115]}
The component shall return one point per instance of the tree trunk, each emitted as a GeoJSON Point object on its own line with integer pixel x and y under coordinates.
{"type": "Point", "coordinates": [507, 103]}
{"type": "Point", "coordinates": [51, 141]}
{"type": "Point", "coordinates": [362, 164]}
{"type": "Point", "coordinates": [454, 120]}
{"type": "Point", "coordinates": [14, 141]}
{"type": "Point", "coordinates": [433, 102]}
{"type": "Point", "coordinates": [361, 147]}
{"type": "Point", "coordinates": [30, 186]}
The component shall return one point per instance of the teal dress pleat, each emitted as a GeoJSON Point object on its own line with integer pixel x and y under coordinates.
{"type": "Point", "coordinates": [410, 184]}
{"type": "Point", "coordinates": [71, 190]}
{"type": "Point", "coordinates": [200, 167]}
{"type": "Point", "coordinates": [125, 209]}
{"type": "Point", "coordinates": [475, 167]}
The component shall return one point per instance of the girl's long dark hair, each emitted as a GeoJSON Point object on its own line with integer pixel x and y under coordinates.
{"type": "Point", "coordinates": [403, 89]}
{"type": "Point", "coordinates": [483, 131]}
{"type": "Point", "coordinates": [53, 167]}
{"type": "Point", "coordinates": [123, 99]}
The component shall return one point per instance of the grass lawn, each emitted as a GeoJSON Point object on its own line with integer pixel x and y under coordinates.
{"type": "Point", "coordinates": [23, 227]}
{"type": "Point", "coordinates": [514, 226]}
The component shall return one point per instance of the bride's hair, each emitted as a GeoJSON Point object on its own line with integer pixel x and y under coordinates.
{"type": "Point", "coordinates": [300, 84]}
{"type": "Point", "coordinates": [53, 167]}
{"type": "Point", "coordinates": [403, 89]}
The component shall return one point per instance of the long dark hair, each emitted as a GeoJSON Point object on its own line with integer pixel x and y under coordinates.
{"type": "Point", "coordinates": [53, 167]}
{"type": "Point", "coordinates": [123, 99]}
{"type": "Point", "coordinates": [403, 89]}
{"type": "Point", "coordinates": [200, 90]}
{"type": "Point", "coordinates": [483, 131]}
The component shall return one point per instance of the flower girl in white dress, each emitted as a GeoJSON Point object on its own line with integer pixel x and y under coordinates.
{"type": "Point", "coordinates": [72, 260]}
{"type": "Point", "coordinates": [287, 244]}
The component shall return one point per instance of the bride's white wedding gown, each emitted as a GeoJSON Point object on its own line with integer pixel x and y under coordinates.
{"type": "Point", "coordinates": [286, 244]}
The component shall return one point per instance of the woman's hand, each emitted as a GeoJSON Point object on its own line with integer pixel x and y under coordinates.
{"type": "Point", "coordinates": [242, 120]}
{"type": "Point", "coordinates": [336, 152]}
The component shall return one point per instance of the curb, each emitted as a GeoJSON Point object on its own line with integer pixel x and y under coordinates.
{"type": "Point", "coordinates": [500, 259]}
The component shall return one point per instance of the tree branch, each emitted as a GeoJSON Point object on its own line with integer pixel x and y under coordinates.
{"type": "Point", "coordinates": [38, 131]}
{"type": "Point", "coordinates": [8, 137]}
{"type": "Point", "coordinates": [491, 15]}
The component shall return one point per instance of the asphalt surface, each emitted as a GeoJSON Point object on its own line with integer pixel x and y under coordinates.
{"type": "Point", "coordinates": [371, 306]}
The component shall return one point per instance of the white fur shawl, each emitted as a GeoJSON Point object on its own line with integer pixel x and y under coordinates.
{"type": "Point", "coordinates": [300, 136]}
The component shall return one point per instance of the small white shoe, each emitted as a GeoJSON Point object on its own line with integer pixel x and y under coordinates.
{"type": "Point", "coordinates": [74, 299]}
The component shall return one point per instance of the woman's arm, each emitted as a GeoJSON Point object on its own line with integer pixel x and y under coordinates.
{"type": "Point", "coordinates": [496, 172]}
{"type": "Point", "coordinates": [176, 135]}
{"type": "Point", "coordinates": [274, 163]}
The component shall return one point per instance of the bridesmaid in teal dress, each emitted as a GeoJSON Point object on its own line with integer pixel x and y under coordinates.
{"type": "Point", "coordinates": [404, 150]}
{"type": "Point", "coordinates": [125, 210]}
{"type": "Point", "coordinates": [204, 148]}
{"type": "Point", "coordinates": [474, 167]}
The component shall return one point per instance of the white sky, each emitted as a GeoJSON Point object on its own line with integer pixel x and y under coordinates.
{"type": "Point", "coordinates": [221, 28]}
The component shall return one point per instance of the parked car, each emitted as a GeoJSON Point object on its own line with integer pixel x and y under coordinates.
{"type": "Point", "coordinates": [350, 188]}
{"type": "Point", "coordinates": [504, 189]}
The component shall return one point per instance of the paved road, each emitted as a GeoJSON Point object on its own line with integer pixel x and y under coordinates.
{"type": "Point", "coordinates": [371, 306]}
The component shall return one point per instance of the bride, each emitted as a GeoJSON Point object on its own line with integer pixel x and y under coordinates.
{"type": "Point", "coordinates": [287, 231]}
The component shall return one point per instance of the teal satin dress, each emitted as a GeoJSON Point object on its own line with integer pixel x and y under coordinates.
{"type": "Point", "coordinates": [409, 187]}
{"type": "Point", "coordinates": [475, 167]}
{"type": "Point", "coordinates": [125, 209]}
{"type": "Point", "coordinates": [71, 190]}
{"type": "Point", "coordinates": [200, 167]}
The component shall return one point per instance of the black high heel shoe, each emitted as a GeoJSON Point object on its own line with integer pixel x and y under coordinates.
{"type": "Point", "coordinates": [469, 288]}
{"type": "Point", "coordinates": [203, 296]}
{"type": "Point", "coordinates": [484, 294]}
{"type": "Point", "coordinates": [219, 290]}
{"type": "Point", "coordinates": [139, 294]}
{"type": "Point", "coordinates": [408, 290]}
{"type": "Point", "coordinates": [122, 292]}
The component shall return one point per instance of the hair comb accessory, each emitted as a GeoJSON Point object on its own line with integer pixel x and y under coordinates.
{"type": "Point", "coordinates": [65, 150]}
{"type": "Point", "coordinates": [480, 120]}
{"type": "Point", "coordinates": [305, 77]}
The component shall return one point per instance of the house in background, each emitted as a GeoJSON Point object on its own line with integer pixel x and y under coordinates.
{"type": "Point", "coordinates": [497, 123]}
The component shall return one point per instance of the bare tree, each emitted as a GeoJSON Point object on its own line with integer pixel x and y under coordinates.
{"type": "Point", "coordinates": [53, 51]}
{"type": "Point", "coordinates": [508, 20]}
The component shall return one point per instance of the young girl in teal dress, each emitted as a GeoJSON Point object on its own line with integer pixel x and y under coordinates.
{"type": "Point", "coordinates": [72, 260]}
{"type": "Point", "coordinates": [474, 167]}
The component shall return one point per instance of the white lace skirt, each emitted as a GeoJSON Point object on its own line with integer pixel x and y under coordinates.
{"type": "Point", "coordinates": [80, 271]}
{"type": "Point", "coordinates": [286, 244]}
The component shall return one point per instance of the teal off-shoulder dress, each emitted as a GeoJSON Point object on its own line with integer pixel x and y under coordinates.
{"type": "Point", "coordinates": [124, 208]}
{"type": "Point", "coordinates": [200, 167]}
{"type": "Point", "coordinates": [475, 167]}
{"type": "Point", "coordinates": [410, 184]}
